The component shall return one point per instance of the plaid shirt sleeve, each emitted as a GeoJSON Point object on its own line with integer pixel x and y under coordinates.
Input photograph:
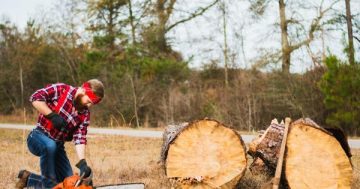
{"type": "Point", "coordinates": [79, 136]}
{"type": "Point", "coordinates": [49, 93]}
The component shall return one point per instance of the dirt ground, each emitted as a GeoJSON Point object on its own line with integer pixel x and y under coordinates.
{"type": "Point", "coordinates": [114, 159]}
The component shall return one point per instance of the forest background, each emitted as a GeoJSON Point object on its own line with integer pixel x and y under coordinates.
{"type": "Point", "coordinates": [166, 61]}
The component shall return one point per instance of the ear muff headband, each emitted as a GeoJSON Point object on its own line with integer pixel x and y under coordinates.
{"type": "Point", "coordinates": [88, 91]}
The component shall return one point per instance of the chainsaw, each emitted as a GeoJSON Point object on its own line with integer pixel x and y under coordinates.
{"type": "Point", "coordinates": [79, 182]}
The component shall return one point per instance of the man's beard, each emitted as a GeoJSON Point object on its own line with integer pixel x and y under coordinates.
{"type": "Point", "coordinates": [77, 103]}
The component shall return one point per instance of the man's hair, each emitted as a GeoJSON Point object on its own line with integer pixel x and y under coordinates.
{"type": "Point", "coordinates": [97, 87]}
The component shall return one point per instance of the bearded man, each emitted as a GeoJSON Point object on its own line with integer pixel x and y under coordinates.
{"type": "Point", "coordinates": [64, 116]}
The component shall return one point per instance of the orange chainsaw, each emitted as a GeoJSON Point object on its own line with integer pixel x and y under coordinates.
{"type": "Point", "coordinates": [79, 182]}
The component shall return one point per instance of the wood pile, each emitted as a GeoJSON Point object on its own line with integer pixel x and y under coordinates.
{"type": "Point", "coordinates": [314, 157]}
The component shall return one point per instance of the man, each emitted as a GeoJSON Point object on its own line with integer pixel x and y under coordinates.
{"type": "Point", "coordinates": [64, 116]}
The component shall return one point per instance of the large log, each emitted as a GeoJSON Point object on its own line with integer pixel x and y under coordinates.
{"type": "Point", "coordinates": [314, 158]}
{"type": "Point", "coordinates": [203, 154]}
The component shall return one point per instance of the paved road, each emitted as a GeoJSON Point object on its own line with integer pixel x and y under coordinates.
{"type": "Point", "coordinates": [142, 133]}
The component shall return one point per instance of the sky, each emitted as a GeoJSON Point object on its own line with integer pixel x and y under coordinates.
{"type": "Point", "coordinates": [19, 11]}
{"type": "Point", "coordinates": [200, 40]}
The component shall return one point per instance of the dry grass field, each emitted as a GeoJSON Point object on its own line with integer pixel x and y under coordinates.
{"type": "Point", "coordinates": [114, 159]}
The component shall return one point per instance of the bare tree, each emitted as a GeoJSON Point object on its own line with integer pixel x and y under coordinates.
{"type": "Point", "coordinates": [350, 33]}
{"type": "Point", "coordinates": [163, 9]}
{"type": "Point", "coordinates": [225, 50]}
{"type": "Point", "coordinates": [288, 44]}
{"type": "Point", "coordinates": [288, 48]}
{"type": "Point", "coordinates": [132, 22]}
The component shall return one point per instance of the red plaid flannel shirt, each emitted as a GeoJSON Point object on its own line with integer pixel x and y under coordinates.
{"type": "Point", "coordinates": [78, 122]}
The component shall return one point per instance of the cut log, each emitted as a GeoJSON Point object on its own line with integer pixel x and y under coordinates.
{"type": "Point", "coordinates": [315, 158]}
{"type": "Point", "coordinates": [203, 154]}
{"type": "Point", "coordinates": [267, 147]}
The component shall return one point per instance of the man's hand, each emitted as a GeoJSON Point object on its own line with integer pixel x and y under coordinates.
{"type": "Point", "coordinates": [57, 121]}
{"type": "Point", "coordinates": [84, 168]}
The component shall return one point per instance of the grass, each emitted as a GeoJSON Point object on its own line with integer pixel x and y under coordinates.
{"type": "Point", "coordinates": [114, 159]}
{"type": "Point", "coordinates": [30, 118]}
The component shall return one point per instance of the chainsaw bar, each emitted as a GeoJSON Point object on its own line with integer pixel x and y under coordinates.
{"type": "Point", "coordinates": [122, 186]}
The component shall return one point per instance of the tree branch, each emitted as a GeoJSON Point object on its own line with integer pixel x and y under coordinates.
{"type": "Point", "coordinates": [357, 39]}
{"type": "Point", "coordinates": [292, 21]}
{"type": "Point", "coordinates": [313, 27]}
{"type": "Point", "coordinates": [199, 12]}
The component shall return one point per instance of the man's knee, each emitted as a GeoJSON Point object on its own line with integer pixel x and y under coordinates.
{"type": "Point", "coordinates": [50, 148]}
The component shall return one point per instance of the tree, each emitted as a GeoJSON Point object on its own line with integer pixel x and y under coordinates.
{"type": "Point", "coordinates": [225, 51]}
{"type": "Point", "coordinates": [105, 19]}
{"type": "Point", "coordinates": [291, 43]}
{"type": "Point", "coordinates": [155, 33]}
{"type": "Point", "coordinates": [350, 33]}
{"type": "Point", "coordinates": [63, 31]}
{"type": "Point", "coordinates": [341, 85]}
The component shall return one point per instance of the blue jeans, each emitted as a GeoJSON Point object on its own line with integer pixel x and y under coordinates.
{"type": "Point", "coordinates": [54, 163]}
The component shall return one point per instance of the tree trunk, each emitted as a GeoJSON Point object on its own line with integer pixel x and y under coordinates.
{"type": "Point", "coordinates": [223, 9]}
{"type": "Point", "coordinates": [310, 152]}
{"type": "Point", "coordinates": [163, 10]}
{"type": "Point", "coordinates": [111, 26]}
{"type": "Point", "coordinates": [132, 22]}
{"type": "Point", "coordinates": [203, 154]}
{"type": "Point", "coordinates": [350, 33]}
{"type": "Point", "coordinates": [21, 86]}
{"type": "Point", "coordinates": [135, 105]}
{"type": "Point", "coordinates": [285, 47]}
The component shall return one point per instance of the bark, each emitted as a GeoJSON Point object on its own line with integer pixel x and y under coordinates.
{"type": "Point", "coordinates": [169, 135]}
{"type": "Point", "coordinates": [267, 147]}
{"type": "Point", "coordinates": [285, 47]}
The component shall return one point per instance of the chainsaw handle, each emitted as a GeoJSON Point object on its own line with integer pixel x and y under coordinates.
{"type": "Point", "coordinates": [87, 180]}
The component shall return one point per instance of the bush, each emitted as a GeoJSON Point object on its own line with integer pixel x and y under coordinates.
{"type": "Point", "coordinates": [341, 87]}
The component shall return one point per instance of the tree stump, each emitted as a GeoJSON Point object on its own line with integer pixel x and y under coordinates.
{"type": "Point", "coordinates": [203, 154]}
{"type": "Point", "coordinates": [314, 158]}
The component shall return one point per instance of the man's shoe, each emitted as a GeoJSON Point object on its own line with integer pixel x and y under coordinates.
{"type": "Point", "coordinates": [23, 178]}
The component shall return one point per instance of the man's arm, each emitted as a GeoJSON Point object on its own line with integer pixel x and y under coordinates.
{"type": "Point", "coordinates": [80, 144]}
{"type": "Point", "coordinates": [49, 93]}
{"type": "Point", "coordinates": [85, 170]}
{"type": "Point", "coordinates": [56, 120]}
{"type": "Point", "coordinates": [80, 151]}
{"type": "Point", "coordinates": [42, 107]}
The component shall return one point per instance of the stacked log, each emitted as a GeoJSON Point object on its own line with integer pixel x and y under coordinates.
{"type": "Point", "coordinates": [203, 154]}
{"type": "Point", "coordinates": [266, 147]}
{"type": "Point", "coordinates": [314, 157]}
